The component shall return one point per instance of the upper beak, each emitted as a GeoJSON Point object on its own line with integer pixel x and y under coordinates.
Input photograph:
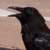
{"type": "Point", "coordinates": [17, 8]}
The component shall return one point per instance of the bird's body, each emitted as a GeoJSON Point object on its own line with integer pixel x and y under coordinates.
{"type": "Point", "coordinates": [35, 33]}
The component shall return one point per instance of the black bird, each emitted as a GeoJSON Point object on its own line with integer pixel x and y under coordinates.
{"type": "Point", "coordinates": [35, 33]}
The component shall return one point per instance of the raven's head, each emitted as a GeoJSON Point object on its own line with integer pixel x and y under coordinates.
{"type": "Point", "coordinates": [28, 11]}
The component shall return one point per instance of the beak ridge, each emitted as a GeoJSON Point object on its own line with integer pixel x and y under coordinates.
{"type": "Point", "coordinates": [17, 8]}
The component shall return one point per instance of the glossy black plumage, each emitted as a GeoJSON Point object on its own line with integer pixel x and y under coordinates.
{"type": "Point", "coordinates": [35, 33]}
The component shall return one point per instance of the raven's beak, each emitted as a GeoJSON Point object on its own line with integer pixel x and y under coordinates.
{"type": "Point", "coordinates": [17, 8]}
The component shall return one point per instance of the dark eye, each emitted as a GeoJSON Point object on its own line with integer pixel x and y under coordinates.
{"type": "Point", "coordinates": [28, 12]}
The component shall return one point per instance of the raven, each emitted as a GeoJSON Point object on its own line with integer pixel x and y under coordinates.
{"type": "Point", "coordinates": [35, 32]}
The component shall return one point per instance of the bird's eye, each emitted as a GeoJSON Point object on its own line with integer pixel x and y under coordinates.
{"type": "Point", "coordinates": [28, 13]}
